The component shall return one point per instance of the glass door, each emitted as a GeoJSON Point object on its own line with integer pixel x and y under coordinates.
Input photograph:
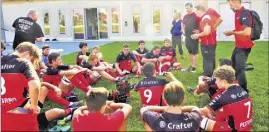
{"type": "Point", "coordinates": [102, 23]}
{"type": "Point", "coordinates": [78, 23]}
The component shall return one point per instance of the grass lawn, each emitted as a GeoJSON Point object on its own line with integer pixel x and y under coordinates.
{"type": "Point", "coordinates": [257, 80]}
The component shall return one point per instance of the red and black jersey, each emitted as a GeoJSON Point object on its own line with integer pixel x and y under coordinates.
{"type": "Point", "coordinates": [142, 52]}
{"type": "Point", "coordinates": [168, 51]}
{"type": "Point", "coordinates": [150, 55]}
{"type": "Point", "coordinates": [79, 61]}
{"type": "Point", "coordinates": [125, 61]}
{"type": "Point", "coordinates": [13, 64]}
{"type": "Point", "coordinates": [236, 107]}
{"type": "Point", "coordinates": [173, 122]}
{"type": "Point", "coordinates": [242, 20]}
{"type": "Point", "coordinates": [55, 71]}
{"type": "Point", "coordinates": [16, 72]}
{"type": "Point", "coordinates": [98, 122]}
{"type": "Point", "coordinates": [150, 90]}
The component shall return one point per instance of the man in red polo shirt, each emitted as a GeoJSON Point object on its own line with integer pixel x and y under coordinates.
{"type": "Point", "coordinates": [208, 39]}
{"type": "Point", "coordinates": [243, 42]}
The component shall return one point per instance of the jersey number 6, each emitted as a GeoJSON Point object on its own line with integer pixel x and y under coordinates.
{"type": "Point", "coordinates": [148, 94]}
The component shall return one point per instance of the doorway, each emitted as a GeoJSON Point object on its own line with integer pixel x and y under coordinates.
{"type": "Point", "coordinates": [91, 24]}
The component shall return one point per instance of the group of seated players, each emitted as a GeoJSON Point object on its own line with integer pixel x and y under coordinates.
{"type": "Point", "coordinates": [230, 108]}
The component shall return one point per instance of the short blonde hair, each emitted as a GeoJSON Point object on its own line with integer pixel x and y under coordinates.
{"type": "Point", "coordinates": [96, 98]}
{"type": "Point", "coordinates": [226, 73]}
{"type": "Point", "coordinates": [173, 93]}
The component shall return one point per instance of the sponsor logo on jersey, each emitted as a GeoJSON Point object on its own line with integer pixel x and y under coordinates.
{"type": "Point", "coordinates": [180, 126]}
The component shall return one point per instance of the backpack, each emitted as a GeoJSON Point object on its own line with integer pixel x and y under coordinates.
{"type": "Point", "coordinates": [257, 25]}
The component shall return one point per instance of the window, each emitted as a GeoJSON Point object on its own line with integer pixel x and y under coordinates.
{"type": "Point", "coordinates": [115, 20]}
{"type": "Point", "coordinates": [136, 20]}
{"type": "Point", "coordinates": [47, 23]}
{"type": "Point", "coordinates": [102, 14]}
{"type": "Point", "coordinates": [78, 24]}
{"type": "Point", "coordinates": [156, 19]}
{"type": "Point", "coordinates": [61, 22]}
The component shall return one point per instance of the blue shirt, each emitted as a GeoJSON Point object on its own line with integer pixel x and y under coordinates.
{"type": "Point", "coordinates": [45, 60]}
{"type": "Point", "coordinates": [176, 28]}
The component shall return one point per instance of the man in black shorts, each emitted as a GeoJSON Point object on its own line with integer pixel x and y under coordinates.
{"type": "Point", "coordinates": [26, 29]}
{"type": "Point", "coordinates": [190, 24]}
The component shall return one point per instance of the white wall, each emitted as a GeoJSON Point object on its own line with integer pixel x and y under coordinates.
{"type": "Point", "coordinates": [125, 9]}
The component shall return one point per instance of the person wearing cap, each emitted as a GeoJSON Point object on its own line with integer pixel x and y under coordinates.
{"type": "Point", "coordinates": [3, 47]}
{"type": "Point", "coordinates": [26, 29]}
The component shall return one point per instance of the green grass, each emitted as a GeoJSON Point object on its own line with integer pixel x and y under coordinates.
{"type": "Point", "coordinates": [257, 80]}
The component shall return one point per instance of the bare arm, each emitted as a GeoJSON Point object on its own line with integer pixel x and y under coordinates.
{"type": "Point", "coordinates": [40, 39]}
{"type": "Point", "coordinates": [189, 108]}
{"type": "Point", "coordinates": [207, 31]}
{"type": "Point", "coordinates": [206, 112]}
{"type": "Point", "coordinates": [245, 32]}
{"type": "Point", "coordinates": [135, 53]}
{"type": "Point", "coordinates": [117, 67]}
{"type": "Point", "coordinates": [218, 22]}
{"type": "Point", "coordinates": [48, 85]}
{"type": "Point", "coordinates": [34, 90]}
{"type": "Point", "coordinates": [125, 108]}
{"type": "Point", "coordinates": [183, 28]}
{"type": "Point", "coordinates": [153, 108]}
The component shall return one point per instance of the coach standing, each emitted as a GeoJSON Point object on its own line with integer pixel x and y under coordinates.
{"type": "Point", "coordinates": [243, 42]}
{"type": "Point", "coordinates": [176, 33]}
{"type": "Point", "coordinates": [208, 40]}
{"type": "Point", "coordinates": [26, 29]}
{"type": "Point", "coordinates": [190, 24]}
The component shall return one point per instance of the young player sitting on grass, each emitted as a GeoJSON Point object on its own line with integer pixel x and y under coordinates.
{"type": "Point", "coordinates": [208, 84]}
{"type": "Point", "coordinates": [101, 69]}
{"type": "Point", "coordinates": [155, 56]}
{"type": "Point", "coordinates": [69, 76]}
{"type": "Point", "coordinates": [234, 104]}
{"type": "Point", "coordinates": [23, 113]}
{"type": "Point", "coordinates": [94, 117]}
{"type": "Point", "coordinates": [124, 62]}
{"type": "Point", "coordinates": [170, 53]}
{"type": "Point", "coordinates": [151, 87]}
{"type": "Point", "coordinates": [173, 117]}
{"type": "Point", "coordinates": [82, 53]}
{"type": "Point", "coordinates": [44, 59]}
{"type": "Point", "coordinates": [141, 51]}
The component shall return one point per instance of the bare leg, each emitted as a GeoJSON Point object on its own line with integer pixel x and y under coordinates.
{"type": "Point", "coordinates": [54, 114]}
{"type": "Point", "coordinates": [43, 94]}
{"type": "Point", "coordinates": [106, 75]}
{"type": "Point", "coordinates": [194, 60]}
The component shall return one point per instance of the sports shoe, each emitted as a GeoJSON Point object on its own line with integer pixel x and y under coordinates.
{"type": "Point", "coordinates": [75, 104]}
{"type": "Point", "coordinates": [64, 120]}
{"type": "Point", "coordinates": [186, 69]}
{"type": "Point", "coordinates": [60, 128]}
{"type": "Point", "coordinates": [193, 69]}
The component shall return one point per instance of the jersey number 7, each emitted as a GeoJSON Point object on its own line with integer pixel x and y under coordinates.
{"type": "Point", "coordinates": [249, 106]}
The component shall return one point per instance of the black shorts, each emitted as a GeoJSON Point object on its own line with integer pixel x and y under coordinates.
{"type": "Point", "coordinates": [192, 45]}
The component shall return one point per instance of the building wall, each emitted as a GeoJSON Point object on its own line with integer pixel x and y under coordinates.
{"type": "Point", "coordinates": [125, 9]}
